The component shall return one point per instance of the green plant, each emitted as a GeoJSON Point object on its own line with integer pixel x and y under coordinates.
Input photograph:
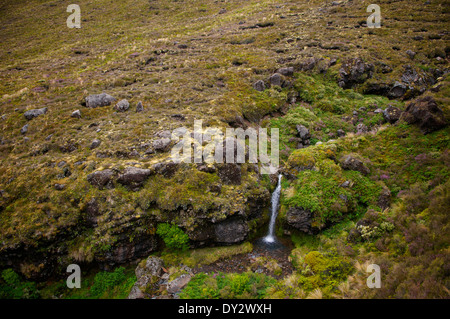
{"type": "Point", "coordinates": [12, 287]}
{"type": "Point", "coordinates": [173, 236]}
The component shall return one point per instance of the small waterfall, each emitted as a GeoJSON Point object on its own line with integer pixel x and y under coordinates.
{"type": "Point", "coordinates": [270, 238]}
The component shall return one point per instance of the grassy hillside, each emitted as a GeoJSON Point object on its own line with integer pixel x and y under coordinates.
{"type": "Point", "coordinates": [199, 60]}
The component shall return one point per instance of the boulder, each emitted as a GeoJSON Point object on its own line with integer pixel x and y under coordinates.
{"type": "Point", "coordinates": [303, 132]}
{"type": "Point", "coordinates": [31, 114]}
{"type": "Point", "coordinates": [351, 163]}
{"type": "Point", "coordinates": [384, 200]}
{"type": "Point", "coordinates": [424, 113]}
{"type": "Point", "coordinates": [299, 219]}
{"type": "Point", "coordinates": [76, 114]}
{"type": "Point", "coordinates": [361, 128]}
{"type": "Point", "coordinates": [178, 283]}
{"type": "Point", "coordinates": [398, 90]}
{"type": "Point", "coordinates": [122, 106]}
{"type": "Point", "coordinates": [95, 143]}
{"type": "Point", "coordinates": [392, 114]}
{"type": "Point", "coordinates": [161, 144]}
{"type": "Point", "coordinates": [134, 177]}
{"type": "Point", "coordinates": [288, 71]}
{"type": "Point", "coordinates": [148, 275]}
{"type": "Point", "coordinates": [139, 107]}
{"type": "Point", "coordinates": [340, 133]}
{"type": "Point", "coordinates": [354, 71]}
{"type": "Point", "coordinates": [24, 129]}
{"type": "Point", "coordinates": [276, 79]}
{"type": "Point", "coordinates": [99, 100]}
{"type": "Point", "coordinates": [259, 86]}
{"type": "Point", "coordinates": [231, 231]}
{"type": "Point", "coordinates": [60, 187]}
{"type": "Point", "coordinates": [101, 179]}
{"type": "Point", "coordinates": [167, 169]}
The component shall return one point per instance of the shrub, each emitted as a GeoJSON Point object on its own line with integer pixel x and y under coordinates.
{"type": "Point", "coordinates": [173, 236]}
{"type": "Point", "coordinates": [12, 287]}
{"type": "Point", "coordinates": [105, 281]}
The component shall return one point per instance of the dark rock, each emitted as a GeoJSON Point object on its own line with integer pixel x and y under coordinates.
{"type": "Point", "coordinates": [231, 231]}
{"type": "Point", "coordinates": [92, 211]}
{"type": "Point", "coordinates": [139, 107]}
{"type": "Point", "coordinates": [385, 198]}
{"type": "Point", "coordinates": [161, 144]}
{"type": "Point", "coordinates": [99, 100]}
{"type": "Point", "coordinates": [397, 90]}
{"type": "Point", "coordinates": [349, 162]}
{"type": "Point", "coordinates": [276, 79]}
{"type": "Point", "coordinates": [299, 219]}
{"type": "Point", "coordinates": [101, 179]}
{"type": "Point", "coordinates": [24, 129]}
{"type": "Point", "coordinates": [179, 117]}
{"type": "Point", "coordinates": [289, 71]}
{"type": "Point", "coordinates": [60, 187]}
{"type": "Point", "coordinates": [134, 177]}
{"type": "Point", "coordinates": [95, 143]}
{"type": "Point", "coordinates": [178, 283]}
{"type": "Point", "coordinates": [354, 71]}
{"type": "Point", "coordinates": [148, 274]}
{"type": "Point", "coordinates": [76, 114]}
{"type": "Point", "coordinates": [392, 114]}
{"type": "Point", "coordinates": [378, 111]}
{"type": "Point", "coordinates": [206, 168]}
{"type": "Point", "coordinates": [122, 106]}
{"type": "Point", "coordinates": [259, 86]}
{"type": "Point", "coordinates": [31, 114]}
{"type": "Point", "coordinates": [303, 132]}
{"type": "Point", "coordinates": [129, 248]}
{"type": "Point", "coordinates": [164, 134]}
{"type": "Point", "coordinates": [345, 184]}
{"type": "Point", "coordinates": [308, 65]}
{"type": "Point", "coordinates": [62, 164]}
{"type": "Point", "coordinates": [229, 173]}
{"type": "Point", "coordinates": [424, 113]}
{"type": "Point", "coordinates": [167, 169]}
{"type": "Point", "coordinates": [411, 54]}
{"type": "Point", "coordinates": [340, 133]}
{"type": "Point", "coordinates": [361, 129]}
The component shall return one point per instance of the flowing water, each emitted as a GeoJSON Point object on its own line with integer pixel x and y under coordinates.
{"type": "Point", "coordinates": [270, 238]}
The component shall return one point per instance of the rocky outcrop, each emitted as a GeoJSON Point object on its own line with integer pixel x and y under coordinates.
{"type": "Point", "coordinates": [101, 179]}
{"type": "Point", "coordinates": [76, 114]}
{"type": "Point", "coordinates": [122, 106]}
{"type": "Point", "coordinates": [31, 114]}
{"type": "Point", "coordinates": [299, 219]}
{"type": "Point", "coordinates": [304, 135]}
{"type": "Point", "coordinates": [127, 249]}
{"type": "Point", "coordinates": [148, 274]}
{"type": "Point", "coordinates": [392, 114]}
{"type": "Point", "coordinates": [231, 231]}
{"type": "Point", "coordinates": [351, 163]}
{"type": "Point", "coordinates": [354, 71]}
{"type": "Point", "coordinates": [259, 86]}
{"type": "Point", "coordinates": [99, 100]}
{"type": "Point", "coordinates": [424, 113]}
{"type": "Point", "coordinates": [134, 177]}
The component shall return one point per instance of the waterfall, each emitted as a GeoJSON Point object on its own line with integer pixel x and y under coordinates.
{"type": "Point", "coordinates": [270, 238]}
